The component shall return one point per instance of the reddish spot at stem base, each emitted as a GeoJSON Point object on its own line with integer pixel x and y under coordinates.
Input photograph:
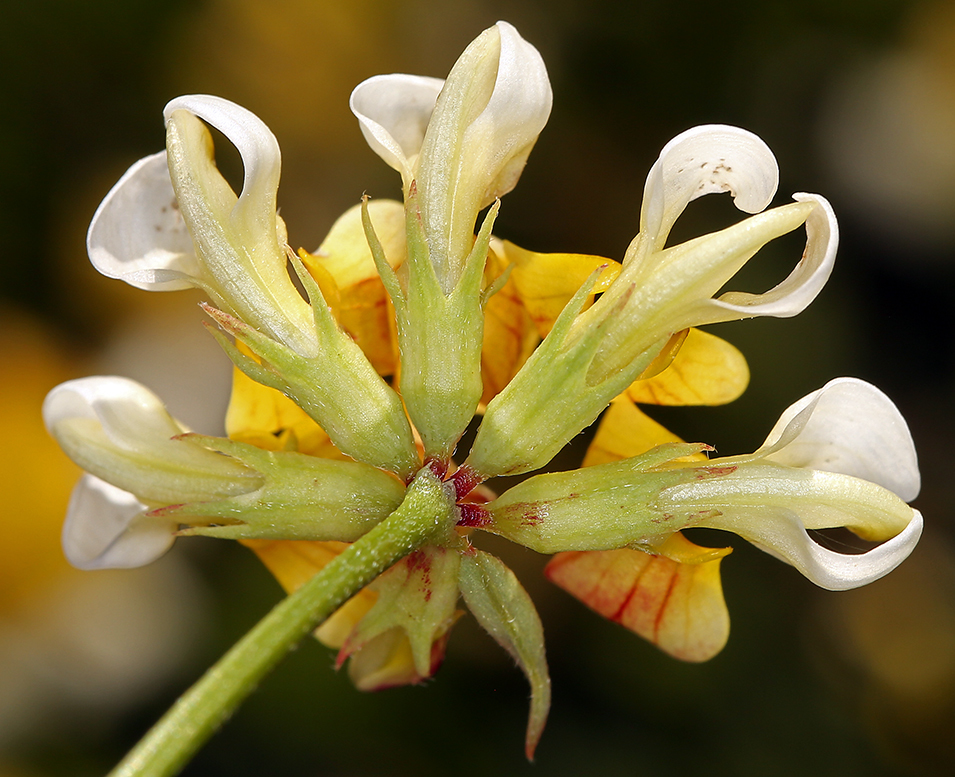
{"type": "Point", "coordinates": [473, 516]}
{"type": "Point", "coordinates": [438, 466]}
{"type": "Point", "coordinates": [465, 479]}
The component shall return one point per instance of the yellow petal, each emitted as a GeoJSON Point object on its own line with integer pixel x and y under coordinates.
{"type": "Point", "coordinates": [546, 282]}
{"type": "Point", "coordinates": [706, 370]}
{"type": "Point", "coordinates": [676, 605]}
{"type": "Point", "coordinates": [323, 277]}
{"type": "Point", "coordinates": [294, 562]}
{"type": "Point", "coordinates": [510, 335]}
{"type": "Point", "coordinates": [387, 661]}
{"type": "Point", "coordinates": [360, 301]}
{"type": "Point", "coordinates": [268, 419]}
{"type": "Point", "coordinates": [625, 431]}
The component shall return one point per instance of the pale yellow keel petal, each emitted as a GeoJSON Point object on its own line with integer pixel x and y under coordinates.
{"type": "Point", "coordinates": [387, 661]}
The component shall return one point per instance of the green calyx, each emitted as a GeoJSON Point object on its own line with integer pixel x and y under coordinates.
{"type": "Point", "coordinates": [550, 400]}
{"type": "Point", "coordinates": [439, 335]}
{"type": "Point", "coordinates": [301, 498]}
{"type": "Point", "coordinates": [337, 387]}
{"type": "Point", "coordinates": [598, 508]}
{"type": "Point", "coordinates": [417, 596]}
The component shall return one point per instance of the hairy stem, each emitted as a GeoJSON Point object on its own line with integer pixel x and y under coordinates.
{"type": "Point", "coordinates": [425, 515]}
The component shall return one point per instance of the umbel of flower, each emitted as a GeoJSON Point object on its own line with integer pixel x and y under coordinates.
{"type": "Point", "coordinates": [589, 357]}
{"type": "Point", "coordinates": [322, 454]}
{"type": "Point", "coordinates": [459, 145]}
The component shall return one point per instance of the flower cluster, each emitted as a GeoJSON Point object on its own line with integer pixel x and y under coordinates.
{"type": "Point", "coordinates": [348, 403]}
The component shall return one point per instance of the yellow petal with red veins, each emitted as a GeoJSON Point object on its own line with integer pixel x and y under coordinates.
{"type": "Point", "coordinates": [546, 282]}
{"type": "Point", "coordinates": [294, 562]}
{"type": "Point", "coordinates": [360, 301]}
{"type": "Point", "coordinates": [510, 335]}
{"type": "Point", "coordinates": [626, 431]}
{"type": "Point", "coordinates": [268, 419]}
{"type": "Point", "coordinates": [706, 370]}
{"type": "Point", "coordinates": [677, 605]}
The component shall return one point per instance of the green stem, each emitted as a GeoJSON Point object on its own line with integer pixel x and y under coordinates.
{"type": "Point", "coordinates": [425, 515]}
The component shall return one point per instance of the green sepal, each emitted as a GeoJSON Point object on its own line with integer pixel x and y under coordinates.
{"type": "Point", "coordinates": [302, 497]}
{"type": "Point", "coordinates": [504, 609]}
{"type": "Point", "coordinates": [602, 507]}
{"type": "Point", "coordinates": [550, 400]}
{"type": "Point", "coordinates": [338, 388]}
{"type": "Point", "coordinates": [440, 335]}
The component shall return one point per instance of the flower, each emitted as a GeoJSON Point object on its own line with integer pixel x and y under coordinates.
{"type": "Point", "coordinates": [322, 451]}
{"type": "Point", "coordinates": [148, 478]}
{"type": "Point", "coordinates": [142, 232]}
{"type": "Point", "coordinates": [840, 457]}
{"type": "Point", "coordinates": [589, 357]}
{"type": "Point", "coordinates": [172, 222]}
{"type": "Point", "coordinates": [463, 143]}
{"type": "Point", "coordinates": [458, 147]}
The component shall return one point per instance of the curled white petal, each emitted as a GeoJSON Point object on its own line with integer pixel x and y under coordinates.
{"type": "Point", "coordinates": [393, 112]}
{"type": "Point", "coordinates": [803, 284]}
{"type": "Point", "coordinates": [120, 431]}
{"type": "Point", "coordinates": [240, 241]}
{"type": "Point", "coordinates": [783, 535]}
{"type": "Point", "coordinates": [848, 427]}
{"type": "Point", "coordinates": [138, 234]}
{"type": "Point", "coordinates": [261, 158]}
{"type": "Point", "coordinates": [106, 528]}
{"type": "Point", "coordinates": [704, 160]}
{"type": "Point", "coordinates": [130, 414]}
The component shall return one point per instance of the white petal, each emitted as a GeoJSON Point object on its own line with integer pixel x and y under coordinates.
{"type": "Point", "coordinates": [804, 283]}
{"type": "Point", "coordinates": [120, 431]}
{"type": "Point", "coordinates": [848, 427]}
{"type": "Point", "coordinates": [130, 414]}
{"type": "Point", "coordinates": [261, 158]}
{"type": "Point", "coordinates": [105, 528]}
{"type": "Point", "coordinates": [515, 115]}
{"type": "Point", "coordinates": [240, 241]}
{"type": "Point", "coordinates": [393, 112]}
{"type": "Point", "coordinates": [781, 534]}
{"type": "Point", "coordinates": [704, 160]}
{"type": "Point", "coordinates": [138, 234]}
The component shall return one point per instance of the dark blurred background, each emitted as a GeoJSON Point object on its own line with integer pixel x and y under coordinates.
{"type": "Point", "coordinates": [856, 98]}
